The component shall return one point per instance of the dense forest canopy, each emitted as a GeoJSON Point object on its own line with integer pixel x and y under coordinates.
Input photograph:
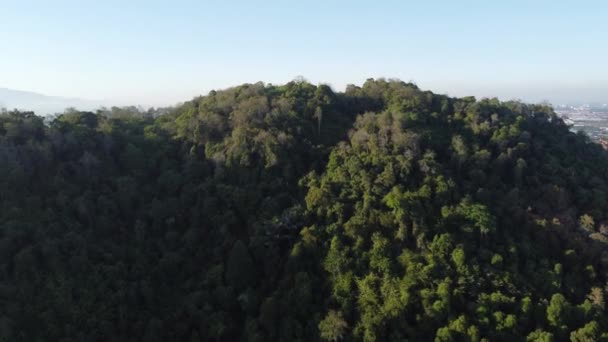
{"type": "Point", "coordinates": [296, 213]}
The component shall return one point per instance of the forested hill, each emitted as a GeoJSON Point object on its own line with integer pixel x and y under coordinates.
{"type": "Point", "coordinates": [294, 213]}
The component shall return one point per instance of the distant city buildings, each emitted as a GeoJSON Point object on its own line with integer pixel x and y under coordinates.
{"type": "Point", "coordinates": [591, 119]}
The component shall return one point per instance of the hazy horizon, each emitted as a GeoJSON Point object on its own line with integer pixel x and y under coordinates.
{"type": "Point", "coordinates": [531, 95]}
{"type": "Point", "coordinates": [155, 54]}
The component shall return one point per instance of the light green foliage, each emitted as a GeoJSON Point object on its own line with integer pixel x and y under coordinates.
{"type": "Point", "coordinates": [589, 333]}
{"type": "Point", "coordinates": [540, 336]}
{"type": "Point", "coordinates": [444, 335]}
{"type": "Point", "coordinates": [496, 260]}
{"type": "Point", "coordinates": [379, 259]}
{"type": "Point", "coordinates": [336, 260]}
{"type": "Point", "coordinates": [479, 216]}
{"type": "Point", "coordinates": [332, 327]}
{"type": "Point", "coordinates": [587, 223]}
{"type": "Point", "coordinates": [459, 258]}
{"type": "Point", "coordinates": [557, 310]}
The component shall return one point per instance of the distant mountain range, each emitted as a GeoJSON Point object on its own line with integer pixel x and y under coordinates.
{"type": "Point", "coordinates": [42, 104]}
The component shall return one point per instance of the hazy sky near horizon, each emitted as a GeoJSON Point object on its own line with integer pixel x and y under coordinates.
{"type": "Point", "coordinates": [162, 52]}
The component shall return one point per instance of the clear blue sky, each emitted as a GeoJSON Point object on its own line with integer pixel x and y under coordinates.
{"type": "Point", "coordinates": [161, 52]}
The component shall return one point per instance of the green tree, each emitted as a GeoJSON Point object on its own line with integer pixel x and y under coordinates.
{"type": "Point", "coordinates": [333, 326]}
{"type": "Point", "coordinates": [589, 333]}
{"type": "Point", "coordinates": [540, 336]}
{"type": "Point", "coordinates": [587, 223]}
{"type": "Point", "coordinates": [557, 310]}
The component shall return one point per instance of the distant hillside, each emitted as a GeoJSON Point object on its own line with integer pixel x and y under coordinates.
{"type": "Point", "coordinates": [296, 213]}
{"type": "Point", "coordinates": [42, 104]}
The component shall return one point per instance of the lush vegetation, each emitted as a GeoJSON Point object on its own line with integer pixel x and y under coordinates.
{"type": "Point", "coordinates": [293, 213]}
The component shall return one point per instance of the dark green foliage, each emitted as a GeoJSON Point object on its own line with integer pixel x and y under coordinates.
{"type": "Point", "coordinates": [293, 213]}
{"type": "Point", "coordinates": [240, 272]}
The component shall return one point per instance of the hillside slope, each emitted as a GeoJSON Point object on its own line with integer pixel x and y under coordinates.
{"type": "Point", "coordinates": [294, 213]}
